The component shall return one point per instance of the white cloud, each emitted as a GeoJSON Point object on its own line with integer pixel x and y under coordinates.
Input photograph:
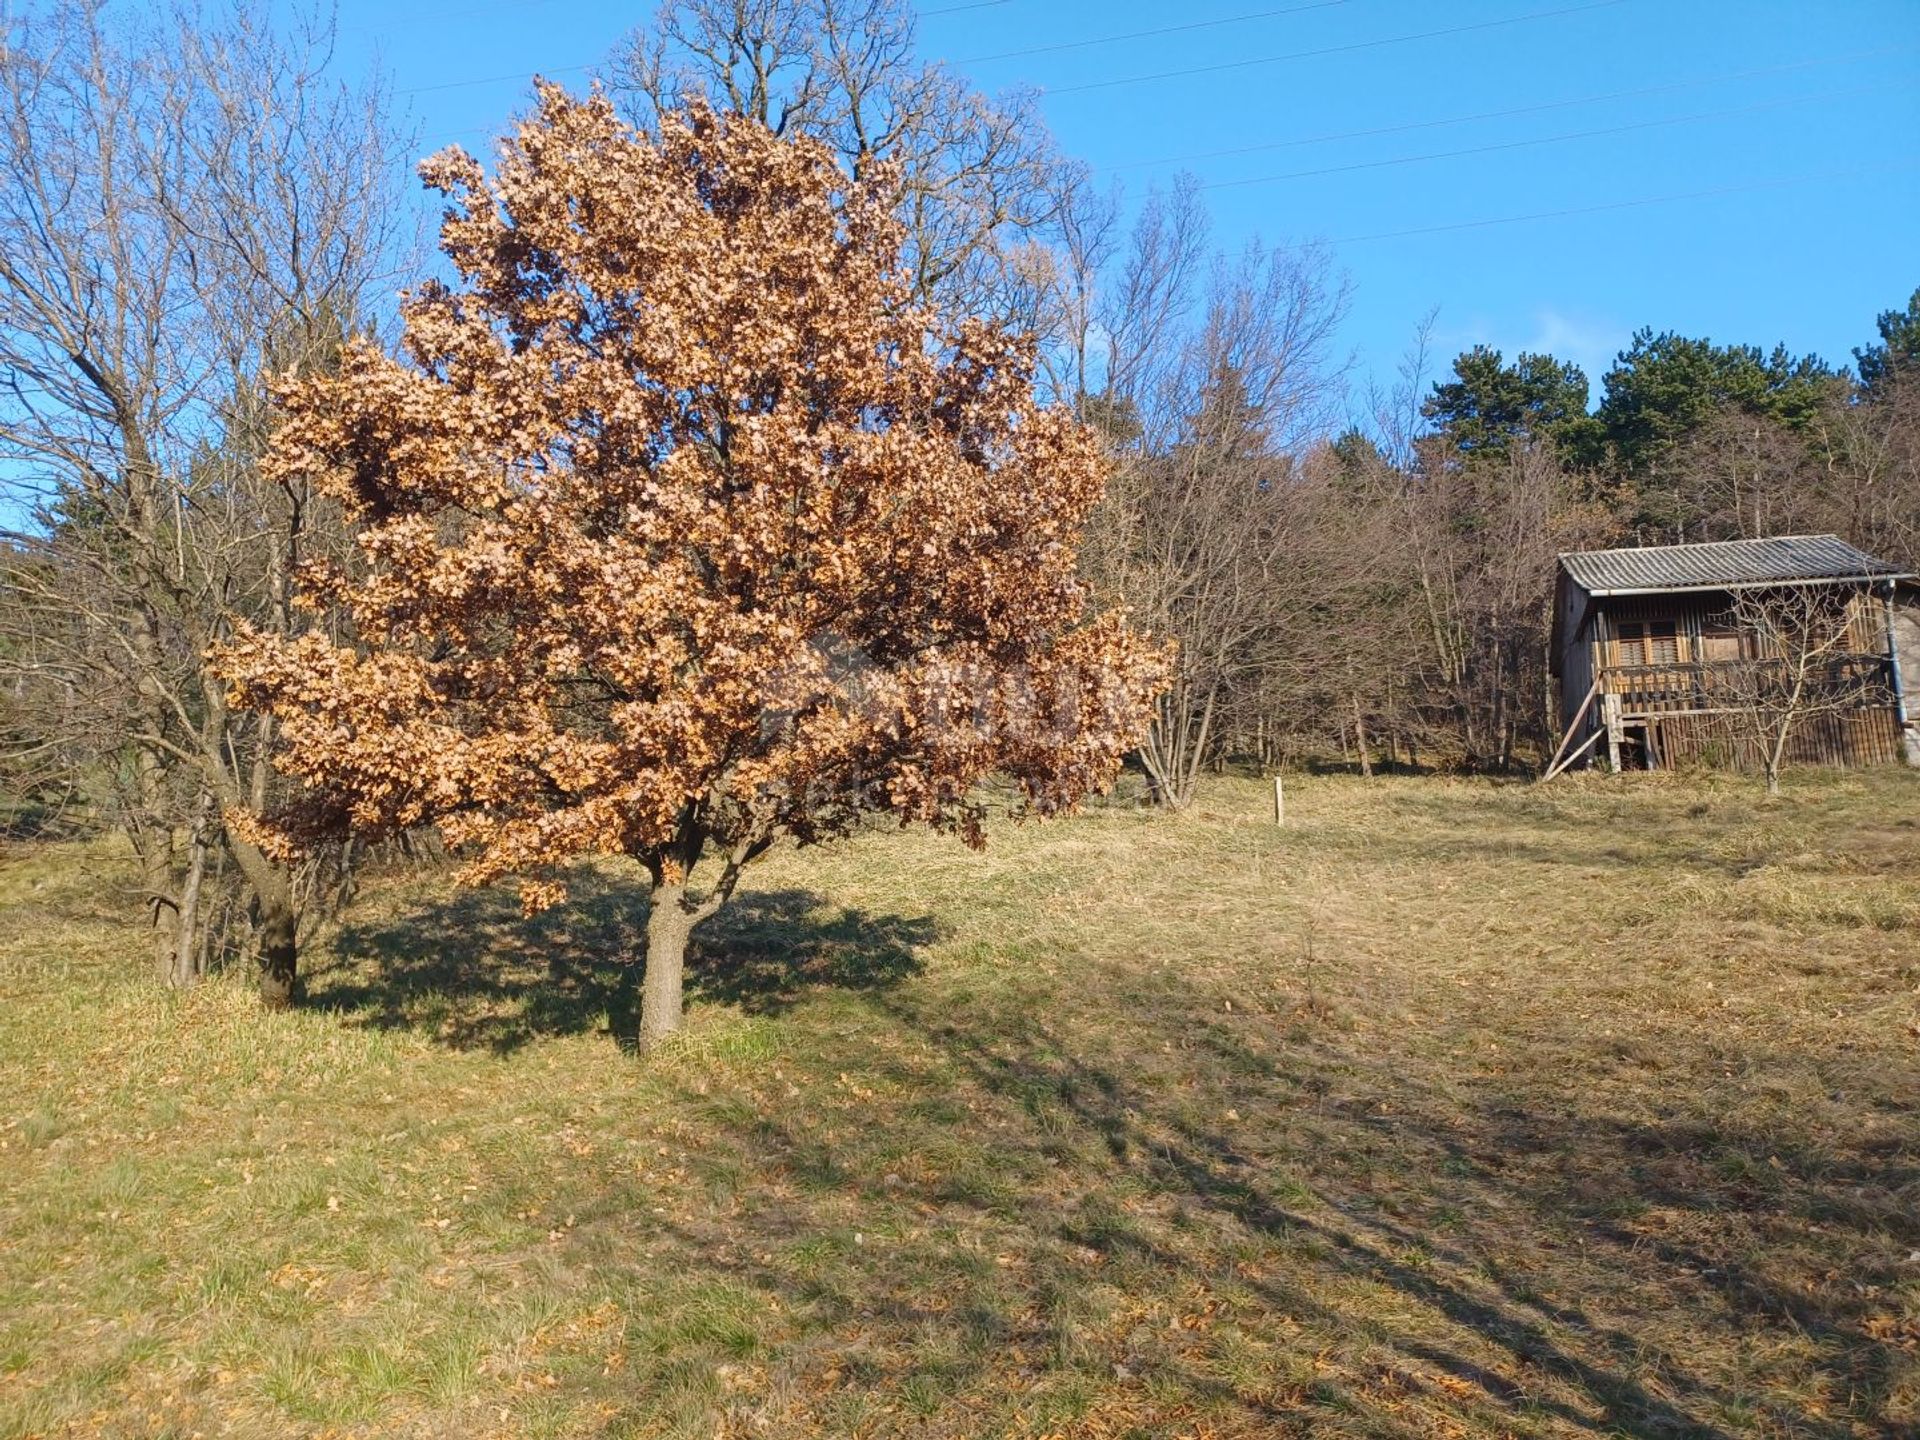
{"type": "Point", "coordinates": [1590, 344]}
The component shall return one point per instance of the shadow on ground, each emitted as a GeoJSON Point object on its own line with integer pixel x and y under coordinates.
{"type": "Point", "coordinates": [474, 972]}
{"type": "Point", "coordinates": [1295, 1237]}
{"type": "Point", "coordinates": [989, 1183]}
{"type": "Point", "coordinates": [1536, 1258]}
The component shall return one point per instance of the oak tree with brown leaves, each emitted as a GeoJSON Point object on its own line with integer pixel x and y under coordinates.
{"type": "Point", "coordinates": [688, 529]}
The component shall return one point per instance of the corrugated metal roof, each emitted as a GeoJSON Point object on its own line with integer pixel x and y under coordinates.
{"type": "Point", "coordinates": [1724, 563]}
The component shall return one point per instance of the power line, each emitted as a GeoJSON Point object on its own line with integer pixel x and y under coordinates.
{"type": "Point", "coordinates": [1334, 49]}
{"type": "Point", "coordinates": [1545, 139]}
{"type": "Point", "coordinates": [577, 69]}
{"type": "Point", "coordinates": [1777, 183]}
{"type": "Point", "coordinates": [1517, 110]}
{"type": "Point", "coordinates": [1148, 34]}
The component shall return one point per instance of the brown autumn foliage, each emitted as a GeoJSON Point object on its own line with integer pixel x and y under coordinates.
{"type": "Point", "coordinates": [688, 529]}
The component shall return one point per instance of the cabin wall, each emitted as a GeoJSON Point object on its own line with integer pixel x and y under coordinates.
{"type": "Point", "coordinates": [1704, 630]}
{"type": "Point", "coordinates": [1865, 737]}
{"type": "Point", "coordinates": [1576, 677]}
{"type": "Point", "coordinates": [1568, 659]}
{"type": "Point", "coordinates": [1662, 717]}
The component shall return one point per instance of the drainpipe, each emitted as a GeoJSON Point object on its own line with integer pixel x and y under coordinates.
{"type": "Point", "coordinates": [1909, 738]}
{"type": "Point", "coordinates": [1893, 653]}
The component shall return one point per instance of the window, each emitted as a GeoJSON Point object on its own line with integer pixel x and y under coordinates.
{"type": "Point", "coordinates": [1650, 642]}
{"type": "Point", "coordinates": [1720, 639]}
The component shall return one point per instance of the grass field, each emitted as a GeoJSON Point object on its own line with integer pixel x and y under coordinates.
{"type": "Point", "coordinates": [1452, 1109]}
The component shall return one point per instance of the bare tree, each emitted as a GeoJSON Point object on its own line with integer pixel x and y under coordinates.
{"type": "Point", "coordinates": [1144, 314]}
{"type": "Point", "coordinates": [1440, 646]}
{"type": "Point", "coordinates": [1203, 536]}
{"type": "Point", "coordinates": [983, 178]}
{"type": "Point", "coordinates": [1852, 467]}
{"type": "Point", "coordinates": [1479, 535]}
{"type": "Point", "coordinates": [1868, 458]}
{"type": "Point", "coordinates": [188, 207]}
{"type": "Point", "coordinates": [1803, 662]}
{"type": "Point", "coordinates": [1747, 476]}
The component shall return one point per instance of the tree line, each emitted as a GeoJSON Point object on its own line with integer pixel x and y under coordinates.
{"type": "Point", "coordinates": [1381, 592]}
{"type": "Point", "coordinates": [199, 221]}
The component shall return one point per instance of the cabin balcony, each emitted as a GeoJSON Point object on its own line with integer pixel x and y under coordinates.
{"type": "Point", "coordinates": [1705, 687]}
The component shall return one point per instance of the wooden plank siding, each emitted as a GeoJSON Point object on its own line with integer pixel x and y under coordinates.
{"type": "Point", "coordinates": [1866, 737]}
{"type": "Point", "coordinates": [1703, 630]}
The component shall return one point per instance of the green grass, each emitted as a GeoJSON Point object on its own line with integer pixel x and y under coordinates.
{"type": "Point", "coordinates": [1453, 1109]}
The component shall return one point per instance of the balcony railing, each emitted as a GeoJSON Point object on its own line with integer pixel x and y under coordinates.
{"type": "Point", "coordinates": [1710, 685]}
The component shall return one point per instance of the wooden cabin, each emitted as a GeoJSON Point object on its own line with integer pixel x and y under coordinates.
{"type": "Point", "coordinates": [1651, 660]}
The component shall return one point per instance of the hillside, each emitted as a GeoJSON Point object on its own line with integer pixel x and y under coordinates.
{"type": "Point", "coordinates": [1451, 1109]}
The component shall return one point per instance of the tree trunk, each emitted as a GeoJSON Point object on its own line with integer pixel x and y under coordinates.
{"type": "Point", "coordinates": [1776, 756]}
{"type": "Point", "coordinates": [662, 1002]}
{"type": "Point", "coordinates": [1360, 739]}
{"type": "Point", "coordinates": [187, 952]}
{"type": "Point", "coordinates": [278, 934]}
{"type": "Point", "coordinates": [1777, 749]}
{"type": "Point", "coordinates": [279, 957]}
{"type": "Point", "coordinates": [154, 842]}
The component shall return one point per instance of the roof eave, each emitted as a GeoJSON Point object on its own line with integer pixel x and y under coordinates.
{"type": "Point", "coordinates": [1889, 576]}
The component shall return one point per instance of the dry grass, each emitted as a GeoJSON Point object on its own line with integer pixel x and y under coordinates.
{"type": "Point", "coordinates": [1451, 1110]}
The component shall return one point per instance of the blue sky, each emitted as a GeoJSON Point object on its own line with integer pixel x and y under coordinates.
{"type": "Point", "coordinates": [1800, 119]}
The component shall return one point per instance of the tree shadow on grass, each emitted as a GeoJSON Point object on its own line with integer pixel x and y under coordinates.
{"type": "Point", "coordinates": [1051, 1207]}
{"type": "Point", "coordinates": [474, 972]}
{"type": "Point", "coordinates": [1604, 1378]}
{"type": "Point", "coordinates": [1427, 1258]}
